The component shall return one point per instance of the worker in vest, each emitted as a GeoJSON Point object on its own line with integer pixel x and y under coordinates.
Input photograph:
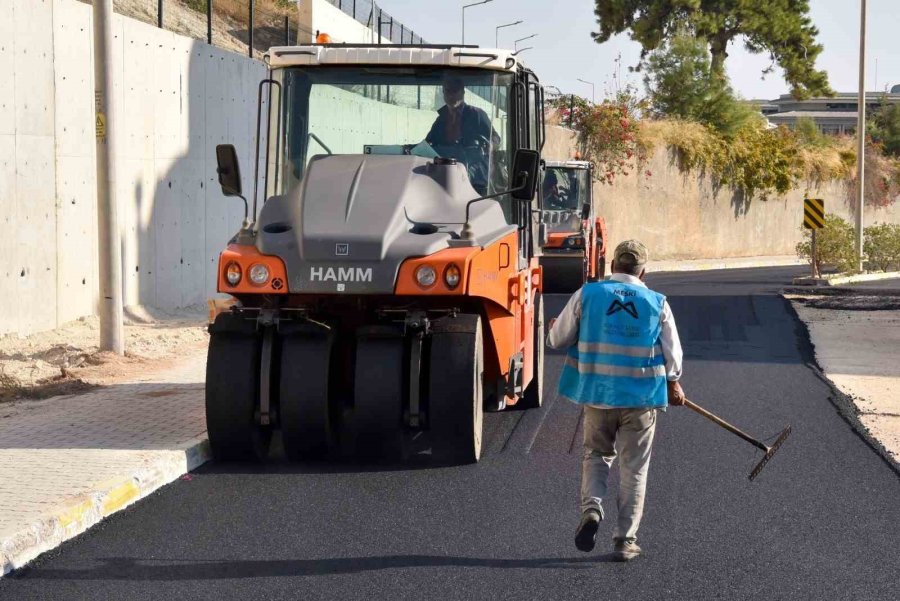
{"type": "Point", "coordinates": [623, 364]}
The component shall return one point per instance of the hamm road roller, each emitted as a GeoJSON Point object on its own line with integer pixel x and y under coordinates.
{"type": "Point", "coordinates": [573, 237]}
{"type": "Point", "coordinates": [387, 291]}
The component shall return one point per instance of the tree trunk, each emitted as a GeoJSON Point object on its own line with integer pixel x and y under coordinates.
{"type": "Point", "coordinates": [718, 49]}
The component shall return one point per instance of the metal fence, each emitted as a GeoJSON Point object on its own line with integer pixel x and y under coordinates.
{"type": "Point", "coordinates": [372, 16]}
{"type": "Point", "coordinates": [238, 25]}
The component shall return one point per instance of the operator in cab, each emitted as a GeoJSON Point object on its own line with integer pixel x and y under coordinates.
{"type": "Point", "coordinates": [463, 132]}
{"type": "Point", "coordinates": [551, 195]}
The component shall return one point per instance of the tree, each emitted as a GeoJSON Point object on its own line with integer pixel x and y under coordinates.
{"type": "Point", "coordinates": [709, 100]}
{"type": "Point", "coordinates": [885, 128]}
{"type": "Point", "coordinates": [782, 28]}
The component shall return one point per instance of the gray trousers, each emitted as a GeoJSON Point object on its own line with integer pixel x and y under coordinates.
{"type": "Point", "coordinates": [628, 433]}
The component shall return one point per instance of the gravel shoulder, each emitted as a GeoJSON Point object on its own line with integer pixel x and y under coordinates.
{"type": "Point", "coordinates": [857, 342]}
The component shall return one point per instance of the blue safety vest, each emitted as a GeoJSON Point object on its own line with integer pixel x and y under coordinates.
{"type": "Point", "coordinates": [618, 361]}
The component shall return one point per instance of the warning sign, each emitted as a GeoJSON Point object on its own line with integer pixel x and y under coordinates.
{"type": "Point", "coordinates": [813, 213]}
{"type": "Point", "coordinates": [101, 125]}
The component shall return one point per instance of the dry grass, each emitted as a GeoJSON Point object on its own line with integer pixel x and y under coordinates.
{"type": "Point", "coordinates": [698, 146]}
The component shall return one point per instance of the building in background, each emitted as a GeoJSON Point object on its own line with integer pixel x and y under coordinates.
{"type": "Point", "coordinates": [835, 116]}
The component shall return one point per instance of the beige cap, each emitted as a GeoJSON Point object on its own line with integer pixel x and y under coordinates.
{"type": "Point", "coordinates": [632, 247]}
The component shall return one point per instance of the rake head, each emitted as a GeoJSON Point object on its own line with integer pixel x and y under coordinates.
{"type": "Point", "coordinates": [770, 452]}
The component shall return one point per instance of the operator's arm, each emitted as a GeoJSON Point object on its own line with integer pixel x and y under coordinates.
{"type": "Point", "coordinates": [564, 329]}
{"type": "Point", "coordinates": [673, 354]}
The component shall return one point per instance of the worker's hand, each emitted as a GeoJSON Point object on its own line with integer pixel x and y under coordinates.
{"type": "Point", "coordinates": [676, 394]}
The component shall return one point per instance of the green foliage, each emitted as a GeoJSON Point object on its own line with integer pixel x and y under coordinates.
{"type": "Point", "coordinates": [834, 246]}
{"type": "Point", "coordinates": [197, 5]}
{"type": "Point", "coordinates": [808, 133]}
{"type": "Point", "coordinates": [708, 99]}
{"type": "Point", "coordinates": [783, 29]}
{"type": "Point", "coordinates": [884, 127]}
{"type": "Point", "coordinates": [881, 246]}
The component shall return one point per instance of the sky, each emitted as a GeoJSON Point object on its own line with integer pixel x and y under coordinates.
{"type": "Point", "coordinates": [564, 52]}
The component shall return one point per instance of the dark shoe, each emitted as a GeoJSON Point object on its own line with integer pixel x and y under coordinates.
{"type": "Point", "coordinates": [625, 549]}
{"type": "Point", "coordinates": [586, 535]}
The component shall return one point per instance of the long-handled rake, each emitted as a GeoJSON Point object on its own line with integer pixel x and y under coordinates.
{"type": "Point", "coordinates": [769, 450]}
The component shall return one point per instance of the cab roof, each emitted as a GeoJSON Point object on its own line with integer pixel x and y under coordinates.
{"type": "Point", "coordinates": [315, 55]}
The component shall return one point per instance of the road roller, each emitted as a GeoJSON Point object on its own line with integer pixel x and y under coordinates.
{"type": "Point", "coordinates": [572, 236]}
{"type": "Point", "coordinates": [385, 292]}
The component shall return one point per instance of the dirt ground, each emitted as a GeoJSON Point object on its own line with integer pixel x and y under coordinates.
{"type": "Point", "coordinates": [67, 360]}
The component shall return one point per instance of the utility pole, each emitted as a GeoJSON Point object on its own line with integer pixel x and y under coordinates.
{"type": "Point", "coordinates": [497, 32]}
{"type": "Point", "coordinates": [464, 17]}
{"type": "Point", "coordinates": [111, 335]}
{"type": "Point", "coordinates": [861, 135]}
{"type": "Point", "coordinates": [209, 15]}
{"type": "Point", "coordinates": [593, 90]}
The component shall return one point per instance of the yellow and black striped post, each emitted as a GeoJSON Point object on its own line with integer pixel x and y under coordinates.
{"type": "Point", "coordinates": [813, 213]}
{"type": "Point", "coordinates": [814, 219]}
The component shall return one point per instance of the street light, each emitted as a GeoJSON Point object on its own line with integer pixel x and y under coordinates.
{"type": "Point", "coordinates": [528, 37]}
{"type": "Point", "coordinates": [464, 17]}
{"type": "Point", "coordinates": [497, 32]}
{"type": "Point", "coordinates": [521, 50]}
{"type": "Point", "coordinates": [590, 83]}
{"type": "Point", "coordinates": [861, 135]}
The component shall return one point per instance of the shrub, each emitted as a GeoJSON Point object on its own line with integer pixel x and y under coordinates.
{"type": "Point", "coordinates": [608, 134]}
{"type": "Point", "coordinates": [881, 246]}
{"type": "Point", "coordinates": [885, 128]}
{"type": "Point", "coordinates": [834, 246]}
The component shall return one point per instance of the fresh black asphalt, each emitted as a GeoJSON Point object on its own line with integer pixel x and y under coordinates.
{"type": "Point", "coordinates": [821, 522]}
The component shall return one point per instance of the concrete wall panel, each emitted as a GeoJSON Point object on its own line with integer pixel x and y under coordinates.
{"type": "Point", "coordinates": [76, 217]}
{"type": "Point", "coordinates": [34, 67]}
{"type": "Point", "coordinates": [35, 232]}
{"type": "Point", "coordinates": [10, 268]}
{"type": "Point", "coordinates": [7, 68]}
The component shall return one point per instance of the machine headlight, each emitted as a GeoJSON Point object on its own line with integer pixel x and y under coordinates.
{"type": "Point", "coordinates": [259, 274]}
{"type": "Point", "coordinates": [574, 241]}
{"type": "Point", "coordinates": [233, 274]}
{"type": "Point", "coordinates": [426, 276]}
{"type": "Point", "coordinates": [452, 276]}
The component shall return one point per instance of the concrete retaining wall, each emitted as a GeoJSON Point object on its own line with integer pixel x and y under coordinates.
{"type": "Point", "coordinates": [176, 99]}
{"type": "Point", "coordinates": [682, 216]}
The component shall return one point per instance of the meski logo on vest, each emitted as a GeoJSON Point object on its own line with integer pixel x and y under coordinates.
{"type": "Point", "coordinates": [341, 274]}
{"type": "Point", "coordinates": [618, 305]}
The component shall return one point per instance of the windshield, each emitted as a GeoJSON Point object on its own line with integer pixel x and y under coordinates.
{"type": "Point", "coordinates": [423, 111]}
{"type": "Point", "coordinates": [565, 189]}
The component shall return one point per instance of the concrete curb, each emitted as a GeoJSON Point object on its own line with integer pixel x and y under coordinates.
{"type": "Point", "coordinates": [846, 279]}
{"type": "Point", "coordinates": [727, 263]}
{"type": "Point", "coordinates": [68, 521]}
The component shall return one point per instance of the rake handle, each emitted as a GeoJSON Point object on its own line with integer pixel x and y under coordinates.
{"type": "Point", "coordinates": [721, 422]}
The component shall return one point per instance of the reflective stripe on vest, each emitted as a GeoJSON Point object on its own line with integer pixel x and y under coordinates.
{"type": "Point", "coordinates": [618, 361]}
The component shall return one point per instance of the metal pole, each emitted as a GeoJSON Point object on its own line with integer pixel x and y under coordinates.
{"type": "Point", "coordinates": [572, 110]}
{"type": "Point", "coordinates": [391, 31]}
{"type": "Point", "coordinates": [209, 11]}
{"type": "Point", "coordinates": [815, 257]}
{"type": "Point", "coordinates": [111, 334]}
{"type": "Point", "coordinates": [287, 31]}
{"type": "Point", "coordinates": [159, 13]}
{"type": "Point", "coordinates": [379, 26]}
{"type": "Point", "coordinates": [861, 135]}
{"type": "Point", "coordinates": [250, 37]}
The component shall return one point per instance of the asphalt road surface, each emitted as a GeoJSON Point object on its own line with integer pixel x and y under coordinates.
{"type": "Point", "coordinates": [821, 522]}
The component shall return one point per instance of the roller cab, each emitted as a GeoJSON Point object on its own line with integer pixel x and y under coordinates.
{"type": "Point", "coordinates": [386, 293]}
{"type": "Point", "coordinates": [572, 237]}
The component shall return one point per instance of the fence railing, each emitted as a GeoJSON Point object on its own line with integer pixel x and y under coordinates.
{"type": "Point", "coordinates": [238, 25]}
{"type": "Point", "coordinates": [372, 16]}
